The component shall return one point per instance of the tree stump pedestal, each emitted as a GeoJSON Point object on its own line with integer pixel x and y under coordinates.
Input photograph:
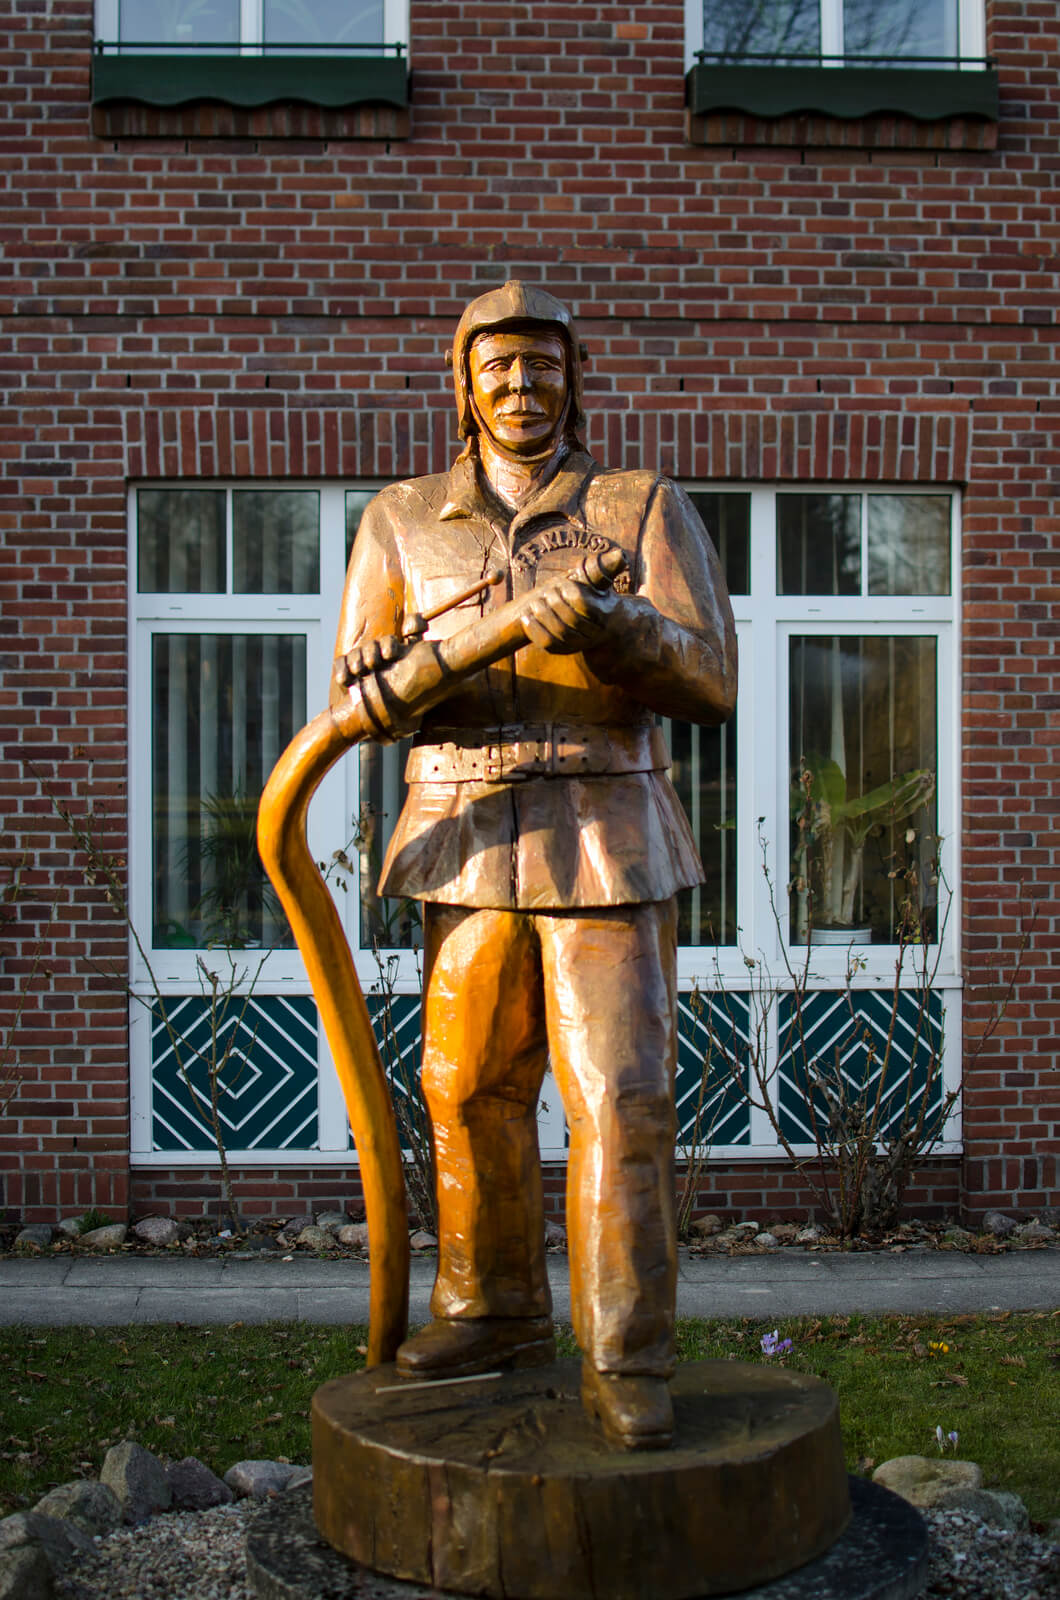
{"type": "Point", "coordinates": [499, 1486]}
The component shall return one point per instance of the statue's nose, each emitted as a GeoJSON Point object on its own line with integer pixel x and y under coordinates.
{"type": "Point", "coordinates": [519, 374]}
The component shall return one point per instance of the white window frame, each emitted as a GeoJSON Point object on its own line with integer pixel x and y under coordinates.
{"type": "Point", "coordinates": [251, 24]}
{"type": "Point", "coordinates": [971, 32]}
{"type": "Point", "coordinates": [764, 620]}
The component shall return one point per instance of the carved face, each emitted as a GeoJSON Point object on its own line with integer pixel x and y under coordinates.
{"type": "Point", "coordinates": [519, 389]}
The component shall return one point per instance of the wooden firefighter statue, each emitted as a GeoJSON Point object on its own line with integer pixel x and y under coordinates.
{"type": "Point", "coordinates": [547, 844]}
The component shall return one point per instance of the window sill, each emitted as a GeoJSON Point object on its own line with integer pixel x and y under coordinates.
{"type": "Point", "coordinates": [892, 107]}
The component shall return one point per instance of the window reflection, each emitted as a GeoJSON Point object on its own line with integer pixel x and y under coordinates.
{"type": "Point", "coordinates": [727, 518]}
{"type": "Point", "coordinates": [909, 543]}
{"type": "Point", "coordinates": [771, 28]}
{"type": "Point", "coordinates": [180, 541]}
{"type": "Point", "coordinates": [179, 21]}
{"type": "Point", "coordinates": [864, 762]}
{"type": "Point", "coordinates": [819, 544]}
{"type": "Point", "coordinates": [224, 707]}
{"type": "Point", "coordinates": [704, 775]}
{"type": "Point", "coordinates": [276, 541]}
{"type": "Point", "coordinates": [326, 21]}
{"type": "Point", "coordinates": [904, 29]}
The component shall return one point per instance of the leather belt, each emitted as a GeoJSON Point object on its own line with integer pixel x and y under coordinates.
{"type": "Point", "coordinates": [519, 751]}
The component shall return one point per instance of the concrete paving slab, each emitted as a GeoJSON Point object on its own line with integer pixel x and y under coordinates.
{"type": "Point", "coordinates": [112, 1290]}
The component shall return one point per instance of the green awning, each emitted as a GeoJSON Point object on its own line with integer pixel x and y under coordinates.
{"type": "Point", "coordinates": [925, 93]}
{"type": "Point", "coordinates": [240, 80]}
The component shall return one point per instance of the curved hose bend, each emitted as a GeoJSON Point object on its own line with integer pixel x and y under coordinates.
{"type": "Point", "coordinates": [329, 963]}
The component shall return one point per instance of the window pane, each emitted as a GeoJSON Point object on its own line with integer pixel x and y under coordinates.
{"type": "Point", "coordinates": [224, 707]}
{"type": "Point", "coordinates": [391, 924]}
{"type": "Point", "coordinates": [276, 541]}
{"type": "Point", "coordinates": [356, 500]}
{"type": "Point", "coordinates": [909, 544]}
{"type": "Point", "coordinates": [180, 535]}
{"type": "Point", "coordinates": [727, 518]}
{"type": "Point", "coordinates": [864, 761]}
{"type": "Point", "coordinates": [819, 544]}
{"type": "Point", "coordinates": [326, 21]}
{"type": "Point", "coordinates": [900, 28]}
{"type": "Point", "coordinates": [774, 28]}
{"type": "Point", "coordinates": [704, 775]}
{"type": "Point", "coordinates": [179, 21]}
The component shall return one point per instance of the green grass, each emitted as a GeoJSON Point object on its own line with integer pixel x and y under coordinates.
{"type": "Point", "coordinates": [224, 1394]}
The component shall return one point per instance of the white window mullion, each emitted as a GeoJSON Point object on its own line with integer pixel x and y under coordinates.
{"type": "Point", "coordinates": [251, 26]}
{"type": "Point", "coordinates": [832, 30]}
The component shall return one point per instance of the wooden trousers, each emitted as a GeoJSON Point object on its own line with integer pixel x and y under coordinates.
{"type": "Point", "coordinates": [594, 994]}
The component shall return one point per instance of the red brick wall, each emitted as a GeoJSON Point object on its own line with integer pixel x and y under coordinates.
{"type": "Point", "coordinates": [266, 304]}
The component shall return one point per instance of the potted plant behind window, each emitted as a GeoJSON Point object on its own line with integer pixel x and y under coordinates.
{"type": "Point", "coordinates": [829, 854]}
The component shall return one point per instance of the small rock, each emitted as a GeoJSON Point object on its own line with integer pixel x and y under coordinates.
{"type": "Point", "coordinates": [91, 1505]}
{"type": "Point", "coordinates": [355, 1234]}
{"type": "Point", "coordinates": [194, 1487]}
{"type": "Point", "coordinates": [299, 1476]}
{"type": "Point", "coordinates": [555, 1236]}
{"type": "Point", "coordinates": [157, 1231]}
{"type": "Point", "coordinates": [809, 1235]}
{"type": "Point", "coordinates": [314, 1238]}
{"type": "Point", "coordinates": [784, 1232]}
{"type": "Point", "coordinates": [107, 1238]}
{"type": "Point", "coordinates": [959, 1238]}
{"type": "Point", "coordinates": [748, 1229]}
{"type": "Point", "coordinates": [259, 1480]}
{"type": "Point", "coordinates": [285, 1240]}
{"type": "Point", "coordinates": [996, 1507]}
{"type": "Point", "coordinates": [705, 1227]}
{"type": "Point", "coordinates": [60, 1540]}
{"type": "Point", "coordinates": [69, 1227]}
{"type": "Point", "coordinates": [332, 1221]}
{"type": "Point", "coordinates": [138, 1479]}
{"type": "Point", "coordinates": [33, 1237]}
{"type": "Point", "coordinates": [294, 1225]}
{"type": "Point", "coordinates": [921, 1480]}
{"type": "Point", "coordinates": [768, 1241]}
{"type": "Point", "coordinates": [26, 1574]}
{"type": "Point", "coordinates": [998, 1224]}
{"type": "Point", "coordinates": [422, 1240]}
{"type": "Point", "coordinates": [1033, 1231]}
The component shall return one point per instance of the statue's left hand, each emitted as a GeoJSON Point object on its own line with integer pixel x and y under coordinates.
{"type": "Point", "coordinates": [571, 614]}
{"type": "Point", "coordinates": [369, 657]}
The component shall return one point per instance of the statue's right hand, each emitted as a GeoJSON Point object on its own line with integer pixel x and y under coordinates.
{"type": "Point", "coordinates": [369, 657]}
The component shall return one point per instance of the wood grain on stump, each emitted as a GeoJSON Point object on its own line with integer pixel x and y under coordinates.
{"type": "Point", "coordinates": [500, 1486]}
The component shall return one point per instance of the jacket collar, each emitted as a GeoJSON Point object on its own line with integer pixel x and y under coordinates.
{"type": "Point", "coordinates": [560, 496]}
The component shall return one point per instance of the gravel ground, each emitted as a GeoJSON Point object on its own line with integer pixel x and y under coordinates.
{"type": "Point", "coordinates": [199, 1556]}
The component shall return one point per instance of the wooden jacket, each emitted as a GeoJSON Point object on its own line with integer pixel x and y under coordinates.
{"type": "Point", "coordinates": [555, 841]}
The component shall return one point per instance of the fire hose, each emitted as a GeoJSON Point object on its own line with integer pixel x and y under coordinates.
{"type": "Point", "coordinates": [377, 705]}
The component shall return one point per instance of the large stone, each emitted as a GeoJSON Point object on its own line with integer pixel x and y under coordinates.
{"type": "Point", "coordinates": [555, 1236]}
{"type": "Point", "coordinates": [60, 1540]}
{"type": "Point", "coordinates": [1035, 1232]}
{"type": "Point", "coordinates": [159, 1231]}
{"type": "Point", "coordinates": [354, 1234]}
{"type": "Point", "coordinates": [299, 1478]}
{"type": "Point", "coordinates": [70, 1227]}
{"type": "Point", "coordinates": [258, 1480]}
{"type": "Point", "coordinates": [922, 1479]}
{"type": "Point", "coordinates": [331, 1221]}
{"type": "Point", "coordinates": [91, 1505]}
{"type": "Point", "coordinates": [26, 1574]}
{"type": "Point", "coordinates": [706, 1227]}
{"type": "Point", "coordinates": [314, 1238]}
{"type": "Point", "coordinates": [422, 1240]}
{"type": "Point", "coordinates": [138, 1479]}
{"type": "Point", "coordinates": [998, 1224]}
{"type": "Point", "coordinates": [33, 1237]}
{"type": "Point", "coordinates": [194, 1487]}
{"type": "Point", "coordinates": [106, 1238]}
{"type": "Point", "coordinates": [996, 1507]}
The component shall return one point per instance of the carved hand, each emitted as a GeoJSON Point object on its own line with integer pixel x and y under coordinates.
{"type": "Point", "coordinates": [573, 614]}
